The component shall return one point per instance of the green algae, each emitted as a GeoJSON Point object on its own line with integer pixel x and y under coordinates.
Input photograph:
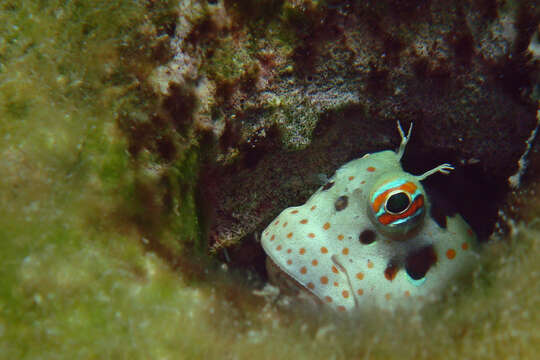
{"type": "Point", "coordinates": [70, 250]}
{"type": "Point", "coordinates": [228, 62]}
{"type": "Point", "coordinates": [76, 278]}
{"type": "Point", "coordinates": [183, 217]}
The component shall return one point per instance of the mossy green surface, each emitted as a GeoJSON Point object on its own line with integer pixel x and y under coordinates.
{"type": "Point", "coordinates": [76, 279]}
{"type": "Point", "coordinates": [228, 62]}
{"type": "Point", "coordinates": [184, 217]}
{"type": "Point", "coordinates": [72, 255]}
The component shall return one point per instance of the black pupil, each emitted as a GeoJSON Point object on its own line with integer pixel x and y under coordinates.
{"type": "Point", "coordinates": [397, 203]}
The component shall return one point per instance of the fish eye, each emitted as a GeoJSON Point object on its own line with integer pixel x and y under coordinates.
{"type": "Point", "coordinates": [397, 202]}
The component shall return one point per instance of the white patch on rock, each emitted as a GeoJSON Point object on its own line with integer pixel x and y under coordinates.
{"type": "Point", "coordinates": [515, 179]}
{"type": "Point", "coordinates": [534, 46]}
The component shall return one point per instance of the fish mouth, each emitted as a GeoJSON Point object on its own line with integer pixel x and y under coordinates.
{"type": "Point", "coordinates": [342, 268]}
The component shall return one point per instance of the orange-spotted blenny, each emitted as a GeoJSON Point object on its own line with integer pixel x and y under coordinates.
{"type": "Point", "coordinates": [366, 238]}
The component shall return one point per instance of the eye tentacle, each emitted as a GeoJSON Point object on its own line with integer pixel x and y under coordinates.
{"type": "Point", "coordinates": [443, 169]}
{"type": "Point", "coordinates": [404, 139]}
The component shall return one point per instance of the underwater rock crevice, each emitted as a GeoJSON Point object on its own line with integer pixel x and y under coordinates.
{"type": "Point", "coordinates": [322, 84]}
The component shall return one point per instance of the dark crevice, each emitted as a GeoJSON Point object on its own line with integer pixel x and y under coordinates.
{"type": "Point", "coordinates": [468, 190]}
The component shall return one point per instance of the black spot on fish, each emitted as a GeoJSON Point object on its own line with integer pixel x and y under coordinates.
{"type": "Point", "coordinates": [367, 236]}
{"type": "Point", "coordinates": [341, 203]}
{"type": "Point", "coordinates": [438, 216]}
{"type": "Point", "coordinates": [419, 262]}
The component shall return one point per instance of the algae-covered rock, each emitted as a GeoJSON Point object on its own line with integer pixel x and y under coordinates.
{"type": "Point", "coordinates": [313, 85]}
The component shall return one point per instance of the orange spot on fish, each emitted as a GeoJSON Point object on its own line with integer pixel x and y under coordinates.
{"type": "Point", "coordinates": [390, 272]}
